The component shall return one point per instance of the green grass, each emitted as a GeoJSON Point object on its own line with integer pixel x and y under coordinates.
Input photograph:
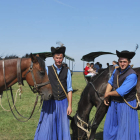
{"type": "Point", "coordinates": [11, 129]}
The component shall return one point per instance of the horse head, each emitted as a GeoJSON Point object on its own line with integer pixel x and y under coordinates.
{"type": "Point", "coordinates": [37, 77]}
{"type": "Point", "coordinates": [74, 129]}
{"type": "Point", "coordinates": [91, 96]}
{"type": "Point", "coordinates": [77, 133]}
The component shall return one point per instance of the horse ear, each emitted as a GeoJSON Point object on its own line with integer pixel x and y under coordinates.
{"type": "Point", "coordinates": [33, 58]}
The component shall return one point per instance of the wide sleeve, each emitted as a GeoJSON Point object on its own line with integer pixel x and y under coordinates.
{"type": "Point", "coordinates": [69, 81]}
{"type": "Point", "coordinates": [129, 83]}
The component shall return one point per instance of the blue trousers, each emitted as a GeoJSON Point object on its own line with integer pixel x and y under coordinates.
{"type": "Point", "coordinates": [121, 122]}
{"type": "Point", "coordinates": [53, 123]}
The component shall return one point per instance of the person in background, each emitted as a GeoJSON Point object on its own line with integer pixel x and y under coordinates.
{"type": "Point", "coordinates": [107, 64]}
{"type": "Point", "coordinates": [97, 66]}
{"type": "Point", "coordinates": [92, 66]}
{"type": "Point", "coordinates": [89, 71]}
{"type": "Point", "coordinates": [115, 63]}
{"type": "Point", "coordinates": [92, 71]}
{"type": "Point", "coordinates": [86, 70]}
{"type": "Point", "coordinates": [100, 66]}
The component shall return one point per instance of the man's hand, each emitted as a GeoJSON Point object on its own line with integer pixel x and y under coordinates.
{"type": "Point", "coordinates": [106, 99]}
{"type": "Point", "coordinates": [69, 110]}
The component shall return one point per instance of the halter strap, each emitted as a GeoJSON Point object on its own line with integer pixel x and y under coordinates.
{"type": "Point", "coordinates": [19, 75]}
{"type": "Point", "coordinates": [36, 86]}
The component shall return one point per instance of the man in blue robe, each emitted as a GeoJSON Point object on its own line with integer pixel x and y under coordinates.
{"type": "Point", "coordinates": [121, 120]}
{"type": "Point", "coordinates": [54, 121]}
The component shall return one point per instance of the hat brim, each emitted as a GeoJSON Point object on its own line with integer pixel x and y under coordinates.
{"type": "Point", "coordinates": [125, 54]}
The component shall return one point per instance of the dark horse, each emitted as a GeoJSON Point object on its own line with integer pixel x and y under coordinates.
{"type": "Point", "coordinates": [32, 69]}
{"type": "Point", "coordinates": [93, 95]}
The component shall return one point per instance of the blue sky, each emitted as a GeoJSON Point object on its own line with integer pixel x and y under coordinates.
{"type": "Point", "coordinates": [84, 26]}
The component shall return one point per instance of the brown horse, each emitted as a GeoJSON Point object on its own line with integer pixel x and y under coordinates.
{"type": "Point", "coordinates": [93, 96]}
{"type": "Point", "coordinates": [32, 69]}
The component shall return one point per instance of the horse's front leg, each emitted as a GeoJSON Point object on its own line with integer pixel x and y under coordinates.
{"type": "Point", "coordinates": [100, 113]}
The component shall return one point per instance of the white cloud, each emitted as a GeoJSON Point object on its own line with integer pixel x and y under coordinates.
{"type": "Point", "coordinates": [64, 4]}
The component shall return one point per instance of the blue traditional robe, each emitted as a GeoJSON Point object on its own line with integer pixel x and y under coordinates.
{"type": "Point", "coordinates": [122, 121]}
{"type": "Point", "coordinates": [54, 122]}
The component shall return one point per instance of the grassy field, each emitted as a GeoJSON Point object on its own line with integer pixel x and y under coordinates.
{"type": "Point", "coordinates": [11, 129]}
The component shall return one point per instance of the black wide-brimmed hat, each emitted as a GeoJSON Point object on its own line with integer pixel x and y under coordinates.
{"type": "Point", "coordinates": [125, 54]}
{"type": "Point", "coordinates": [58, 50]}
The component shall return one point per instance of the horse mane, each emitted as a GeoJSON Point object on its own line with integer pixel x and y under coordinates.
{"type": "Point", "coordinates": [92, 80]}
{"type": "Point", "coordinates": [14, 56]}
{"type": "Point", "coordinates": [99, 72]}
{"type": "Point", "coordinates": [26, 56]}
{"type": "Point", "coordinates": [9, 57]}
{"type": "Point", "coordinates": [40, 60]}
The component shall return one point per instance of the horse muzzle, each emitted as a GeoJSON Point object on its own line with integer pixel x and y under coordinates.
{"type": "Point", "coordinates": [46, 95]}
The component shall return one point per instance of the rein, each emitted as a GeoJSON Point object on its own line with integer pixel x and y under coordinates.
{"type": "Point", "coordinates": [6, 89]}
{"type": "Point", "coordinates": [35, 89]}
{"type": "Point", "coordinates": [86, 127]}
{"type": "Point", "coordinates": [19, 77]}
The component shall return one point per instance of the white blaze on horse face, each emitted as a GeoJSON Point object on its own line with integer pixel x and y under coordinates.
{"type": "Point", "coordinates": [58, 58]}
{"type": "Point", "coordinates": [123, 63]}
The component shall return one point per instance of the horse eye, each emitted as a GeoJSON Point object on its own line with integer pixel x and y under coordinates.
{"type": "Point", "coordinates": [42, 72]}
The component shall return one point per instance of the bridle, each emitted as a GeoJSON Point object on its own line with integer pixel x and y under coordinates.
{"type": "Point", "coordinates": [35, 89]}
{"type": "Point", "coordinates": [20, 82]}
{"type": "Point", "coordinates": [86, 127]}
{"type": "Point", "coordinates": [82, 125]}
